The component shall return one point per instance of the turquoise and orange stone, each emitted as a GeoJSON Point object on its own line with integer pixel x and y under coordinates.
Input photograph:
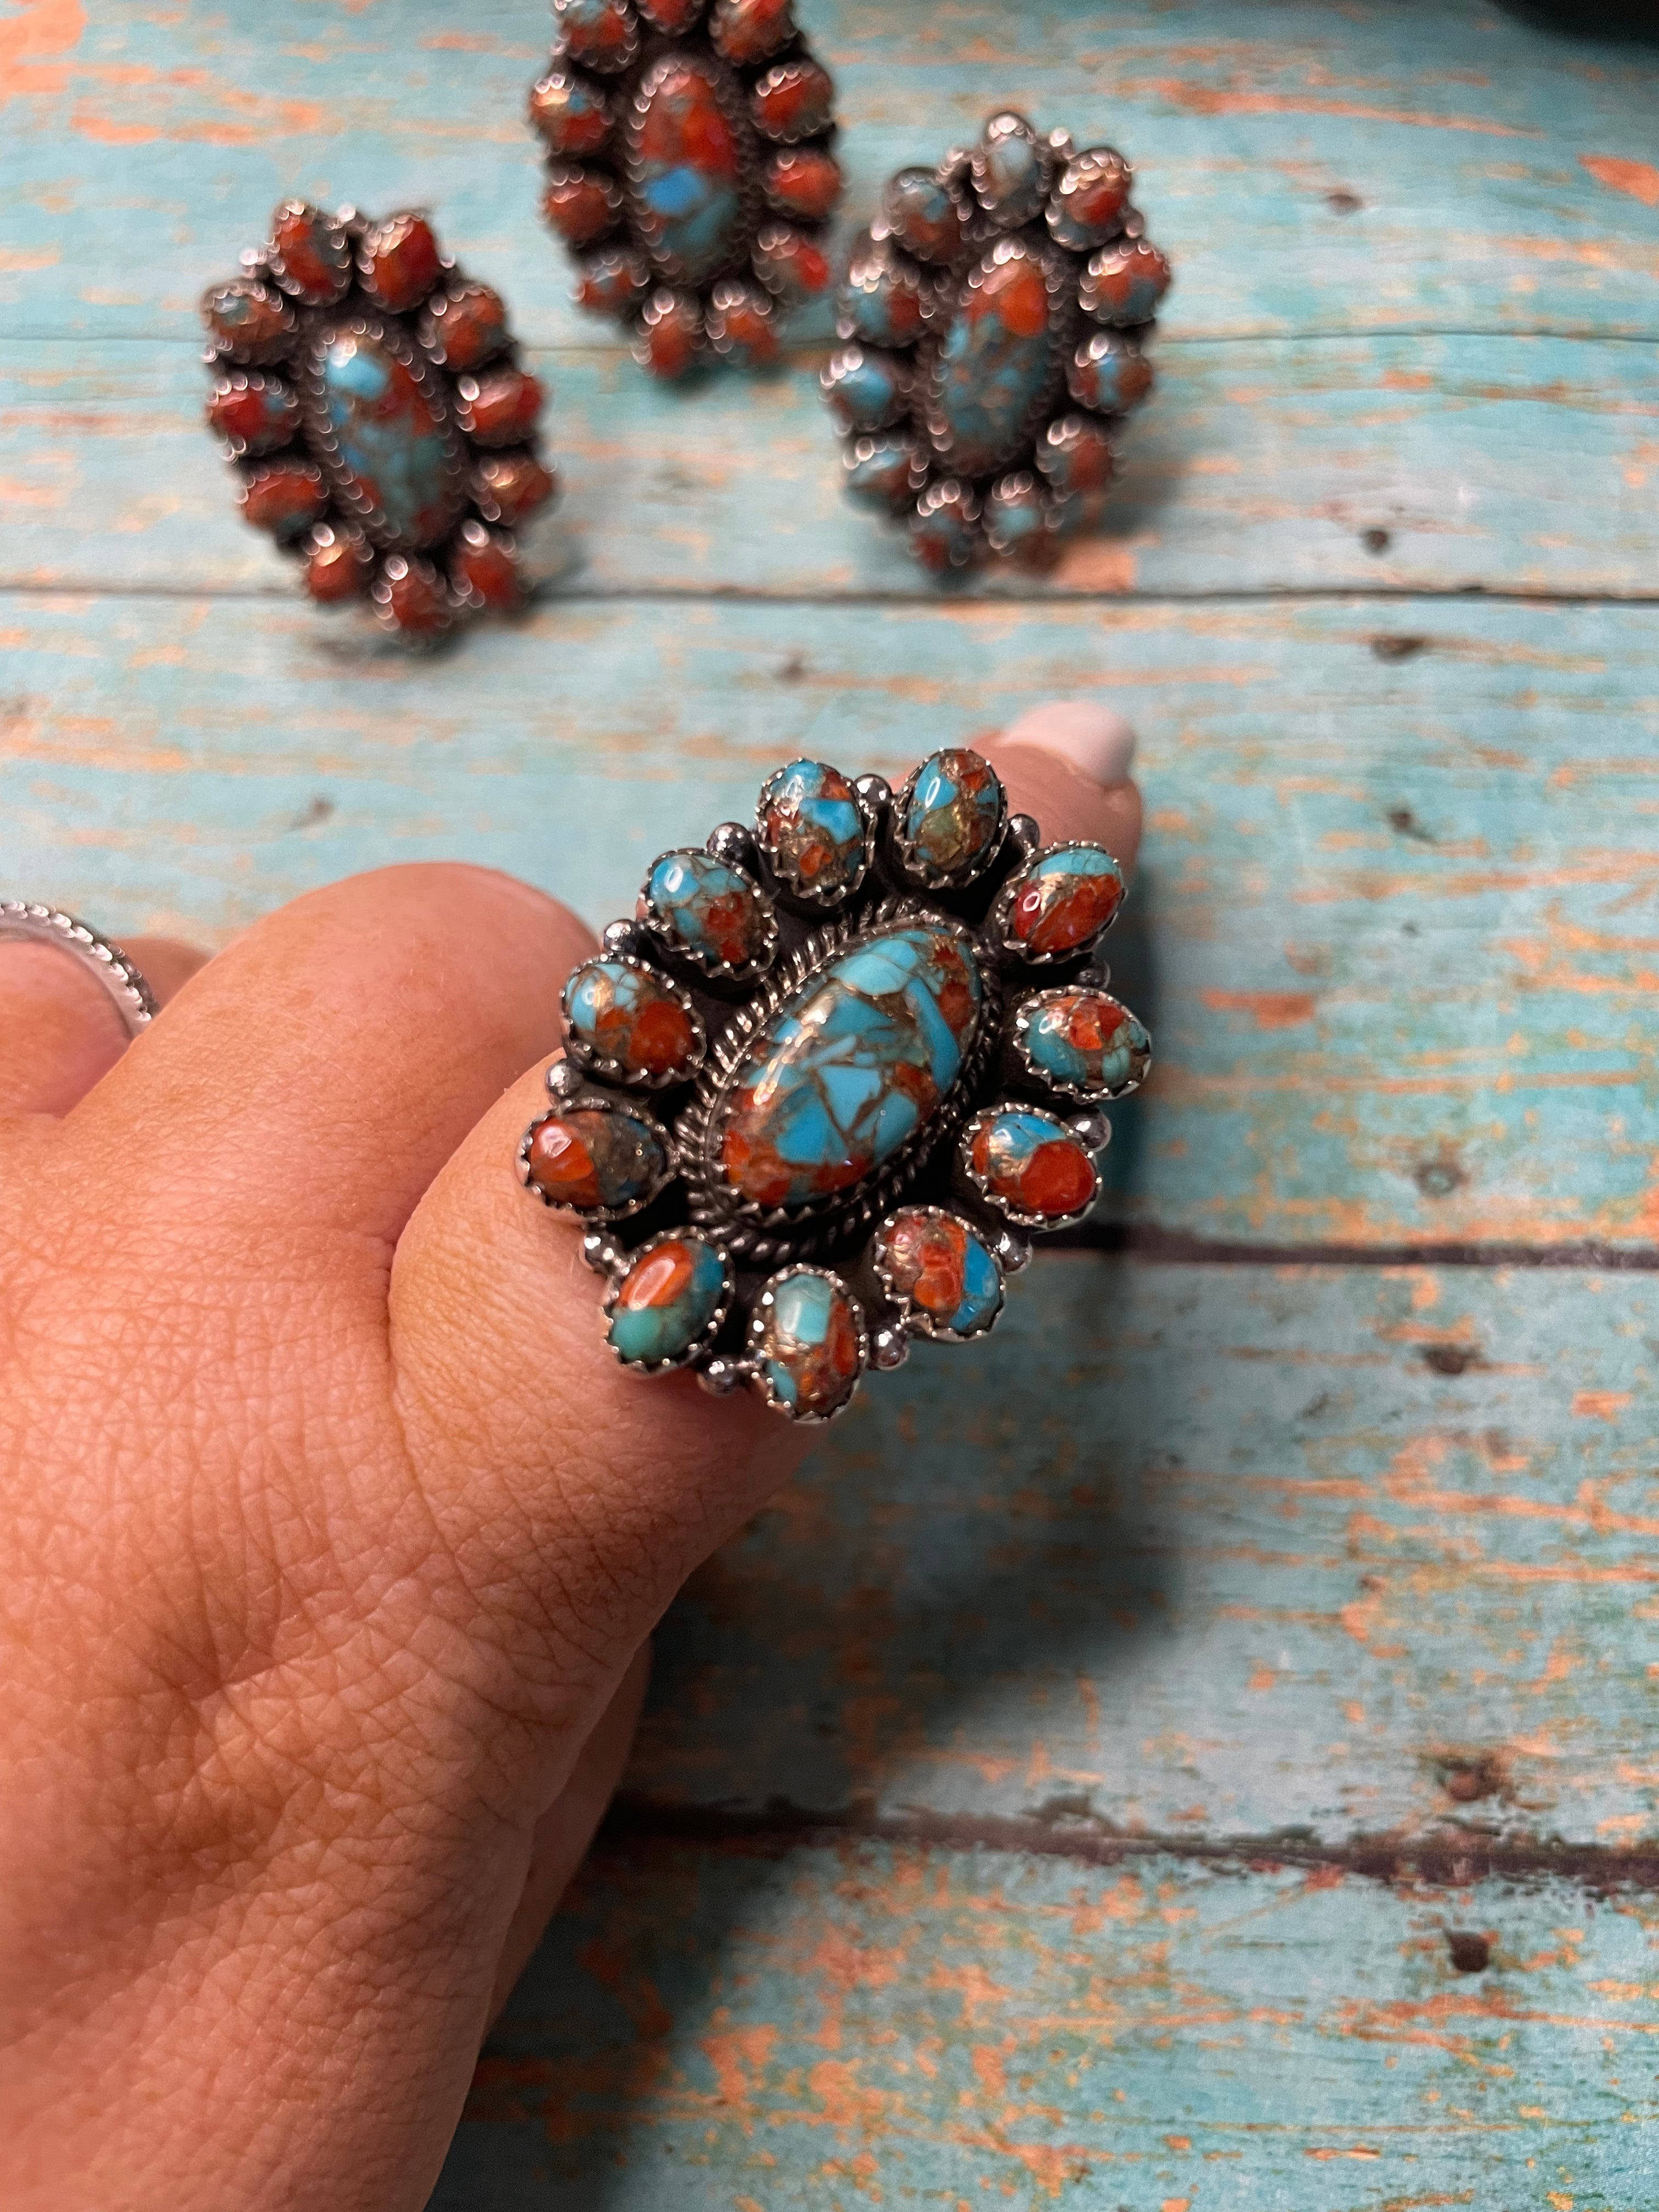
{"type": "Point", "coordinates": [395, 452]}
{"type": "Point", "coordinates": [620, 1013]}
{"type": "Point", "coordinates": [852, 1065]}
{"type": "Point", "coordinates": [947, 1275]}
{"type": "Point", "coordinates": [998, 362]}
{"type": "Point", "coordinates": [954, 814]}
{"type": "Point", "coordinates": [593, 1161]}
{"type": "Point", "coordinates": [709, 911]}
{"type": "Point", "coordinates": [685, 160]}
{"type": "Point", "coordinates": [812, 826]}
{"type": "Point", "coordinates": [1060, 901]}
{"type": "Point", "coordinates": [662, 1306]}
{"type": "Point", "coordinates": [1030, 1164]}
{"type": "Point", "coordinates": [1084, 1041]}
{"type": "Point", "coordinates": [810, 1349]}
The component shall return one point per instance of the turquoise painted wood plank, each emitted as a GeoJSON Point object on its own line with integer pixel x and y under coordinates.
{"type": "Point", "coordinates": [719, 2030]}
{"type": "Point", "coordinates": [1395, 934]}
{"type": "Point", "coordinates": [1228, 1553]}
{"type": "Point", "coordinates": [1319, 166]}
{"type": "Point", "coordinates": [1259, 465]}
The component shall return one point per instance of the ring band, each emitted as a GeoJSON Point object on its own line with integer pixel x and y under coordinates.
{"type": "Point", "coordinates": [24, 922]}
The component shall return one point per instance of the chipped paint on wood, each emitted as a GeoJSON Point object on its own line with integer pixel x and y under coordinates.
{"type": "Point", "coordinates": [1428, 828]}
{"type": "Point", "coordinates": [873, 2025]}
{"type": "Point", "coordinates": [1289, 1551]}
{"type": "Point", "coordinates": [1324, 166]}
{"type": "Point", "coordinates": [1264, 465]}
{"type": "Point", "coordinates": [1368, 1553]}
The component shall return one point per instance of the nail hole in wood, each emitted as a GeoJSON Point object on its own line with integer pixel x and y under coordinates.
{"type": "Point", "coordinates": [793, 670]}
{"type": "Point", "coordinates": [1470, 1954]}
{"type": "Point", "coordinates": [319, 811]}
{"type": "Point", "coordinates": [1342, 202]}
{"type": "Point", "coordinates": [1467, 1780]}
{"type": "Point", "coordinates": [1386, 647]}
{"type": "Point", "coordinates": [1450, 1359]}
{"type": "Point", "coordinates": [1438, 1178]}
{"type": "Point", "coordinates": [1376, 541]}
{"type": "Point", "coordinates": [1402, 819]}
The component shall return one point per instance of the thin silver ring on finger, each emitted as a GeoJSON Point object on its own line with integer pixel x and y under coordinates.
{"type": "Point", "coordinates": [22, 921]}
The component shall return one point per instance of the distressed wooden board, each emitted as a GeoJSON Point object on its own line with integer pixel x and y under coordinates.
{"type": "Point", "coordinates": [1396, 934]}
{"type": "Point", "coordinates": [1334, 166]}
{"type": "Point", "coordinates": [1258, 466]}
{"type": "Point", "coordinates": [717, 2031]}
{"type": "Point", "coordinates": [1208, 1551]}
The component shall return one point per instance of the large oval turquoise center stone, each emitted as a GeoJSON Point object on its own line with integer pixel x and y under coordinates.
{"type": "Point", "coordinates": [393, 446]}
{"type": "Point", "coordinates": [687, 162]}
{"type": "Point", "coordinates": [998, 359]}
{"type": "Point", "coordinates": [851, 1067]}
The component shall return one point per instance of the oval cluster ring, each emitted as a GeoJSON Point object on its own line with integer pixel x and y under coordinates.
{"type": "Point", "coordinates": [383, 429]}
{"type": "Point", "coordinates": [691, 170]}
{"type": "Point", "coordinates": [995, 314]}
{"type": "Point", "coordinates": [842, 1065]}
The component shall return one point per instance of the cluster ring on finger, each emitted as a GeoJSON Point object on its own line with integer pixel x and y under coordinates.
{"type": "Point", "coordinates": [23, 922]}
{"type": "Point", "coordinates": [843, 1062]}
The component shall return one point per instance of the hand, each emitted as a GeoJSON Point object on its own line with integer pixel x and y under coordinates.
{"type": "Point", "coordinates": [330, 1533]}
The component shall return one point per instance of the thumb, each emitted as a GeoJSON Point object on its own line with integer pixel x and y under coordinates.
{"type": "Point", "coordinates": [586, 1494]}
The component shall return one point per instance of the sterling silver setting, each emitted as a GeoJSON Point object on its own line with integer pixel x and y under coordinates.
{"type": "Point", "coordinates": [863, 1126]}
{"type": "Point", "coordinates": [23, 922]}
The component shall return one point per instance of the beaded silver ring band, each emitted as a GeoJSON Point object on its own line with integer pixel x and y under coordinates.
{"type": "Point", "coordinates": [22, 921]}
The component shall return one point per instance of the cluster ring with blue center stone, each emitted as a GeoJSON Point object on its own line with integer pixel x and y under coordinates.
{"type": "Point", "coordinates": [842, 1065]}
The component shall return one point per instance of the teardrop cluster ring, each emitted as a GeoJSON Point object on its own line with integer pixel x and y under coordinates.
{"type": "Point", "coordinates": [843, 1062]}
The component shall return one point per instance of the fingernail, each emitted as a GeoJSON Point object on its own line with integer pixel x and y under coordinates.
{"type": "Point", "coordinates": [1094, 738]}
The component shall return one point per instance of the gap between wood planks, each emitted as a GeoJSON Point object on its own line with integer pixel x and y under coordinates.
{"type": "Point", "coordinates": [1452, 1858]}
{"type": "Point", "coordinates": [947, 600]}
{"type": "Point", "coordinates": [1178, 1248]}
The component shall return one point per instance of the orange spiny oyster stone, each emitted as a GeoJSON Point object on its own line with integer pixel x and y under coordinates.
{"type": "Point", "coordinates": [790, 265]}
{"type": "Point", "coordinates": [600, 34]}
{"type": "Point", "coordinates": [667, 1300]}
{"type": "Point", "coordinates": [1030, 1164]}
{"type": "Point", "coordinates": [945, 1272]}
{"type": "Point", "coordinates": [486, 570]}
{"type": "Point", "coordinates": [671, 335]}
{"type": "Point", "coordinates": [1084, 1041]}
{"type": "Point", "coordinates": [250, 321]}
{"type": "Point", "coordinates": [501, 408]}
{"type": "Point", "coordinates": [313, 258]}
{"type": "Point", "coordinates": [810, 1353]}
{"type": "Point", "coordinates": [254, 414]}
{"type": "Point", "coordinates": [464, 326]}
{"type": "Point", "coordinates": [620, 1013]}
{"type": "Point", "coordinates": [412, 598]}
{"type": "Point", "coordinates": [1124, 282]}
{"type": "Point", "coordinates": [581, 204]}
{"type": "Point", "coordinates": [795, 100]}
{"type": "Point", "coordinates": [804, 183]}
{"type": "Point", "coordinates": [285, 497]}
{"type": "Point", "coordinates": [1061, 900]}
{"type": "Point", "coordinates": [594, 1162]}
{"type": "Point", "coordinates": [400, 262]}
{"type": "Point", "coordinates": [508, 487]}
{"type": "Point", "coordinates": [572, 114]}
{"type": "Point", "coordinates": [745, 31]}
{"type": "Point", "coordinates": [338, 565]}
